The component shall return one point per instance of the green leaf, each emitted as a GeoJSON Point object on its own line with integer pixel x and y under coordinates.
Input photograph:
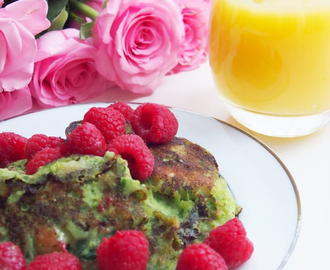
{"type": "Point", "coordinates": [86, 30]}
{"type": "Point", "coordinates": [105, 4]}
{"type": "Point", "coordinates": [55, 7]}
{"type": "Point", "coordinates": [59, 21]}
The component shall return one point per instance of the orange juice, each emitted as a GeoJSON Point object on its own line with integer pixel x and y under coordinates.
{"type": "Point", "coordinates": [272, 56]}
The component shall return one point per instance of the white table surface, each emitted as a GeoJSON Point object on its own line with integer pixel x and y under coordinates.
{"type": "Point", "coordinates": [307, 158]}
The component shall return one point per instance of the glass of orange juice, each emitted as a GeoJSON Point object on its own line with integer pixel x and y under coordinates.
{"type": "Point", "coordinates": [270, 61]}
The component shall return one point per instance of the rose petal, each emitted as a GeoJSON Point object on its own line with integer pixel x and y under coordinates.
{"type": "Point", "coordinates": [18, 48]}
{"type": "Point", "coordinates": [14, 103]}
{"type": "Point", "coordinates": [32, 14]}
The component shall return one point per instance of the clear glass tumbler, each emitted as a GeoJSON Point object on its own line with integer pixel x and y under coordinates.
{"type": "Point", "coordinates": [270, 61]}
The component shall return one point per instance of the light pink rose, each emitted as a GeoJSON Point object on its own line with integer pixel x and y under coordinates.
{"type": "Point", "coordinates": [14, 103]}
{"type": "Point", "coordinates": [19, 22]}
{"type": "Point", "coordinates": [194, 48]}
{"type": "Point", "coordinates": [138, 42]}
{"type": "Point", "coordinates": [32, 14]}
{"type": "Point", "coordinates": [65, 70]}
{"type": "Point", "coordinates": [18, 48]}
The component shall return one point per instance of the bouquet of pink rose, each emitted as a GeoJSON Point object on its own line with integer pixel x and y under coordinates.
{"type": "Point", "coordinates": [63, 52]}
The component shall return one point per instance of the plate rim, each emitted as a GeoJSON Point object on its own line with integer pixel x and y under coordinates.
{"type": "Point", "coordinates": [246, 133]}
{"type": "Point", "coordinates": [294, 186]}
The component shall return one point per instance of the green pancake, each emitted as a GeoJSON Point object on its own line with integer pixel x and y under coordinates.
{"type": "Point", "coordinates": [75, 202]}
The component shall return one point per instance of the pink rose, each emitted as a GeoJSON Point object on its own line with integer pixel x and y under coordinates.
{"type": "Point", "coordinates": [32, 14]}
{"type": "Point", "coordinates": [138, 42]}
{"type": "Point", "coordinates": [19, 22]}
{"type": "Point", "coordinates": [194, 48]}
{"type": "Point", "coordinates": [18, 48]}
{"type": "Point", "coordinates": [15, 102]}
{"type": "Point", "coordinates": [65, 70]}
{"type": "Point", "coordinates": [1, 2]}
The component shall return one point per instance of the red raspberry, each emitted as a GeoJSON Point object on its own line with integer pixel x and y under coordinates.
{"type": "Point", "coordinates": [123, 108]}
{"type": "Point", "coordinates": [85, 139]}
{"type": "Point", "coordinates": [11, 257]}
{"type": "Point", "coordinates": [154, 123]}
{"type": "Point", "coordinates": [42, 158]}
{"type": "Point", "coordinates": [230, 241]}
{"type": "Point", "coordinates": [39, 141]}
{"type": "Point", "coordinates": [55, 261]}
{"type": "Point", "coordinates": [133, 149]}
{"type": "Point", "coordinates": [110, 122]}
{"type": "Point", "coordinates": [200, 256]}
{"type": "Point", "coordinates": [11, 148]}
{"type": "Point", "coordinates": [126, 250]}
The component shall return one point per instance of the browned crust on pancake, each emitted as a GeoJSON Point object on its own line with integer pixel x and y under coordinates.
{"type": "Point", "coordinates": [181, 164]}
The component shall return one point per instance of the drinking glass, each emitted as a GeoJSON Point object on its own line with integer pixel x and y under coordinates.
{"type": "Point", "coordinates": [270, 61]}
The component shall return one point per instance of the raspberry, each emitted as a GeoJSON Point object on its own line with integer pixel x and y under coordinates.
{"type": "Point", "coordinates": [55, 261]}
{"type": "Point", "coordinates": [11, 148]}
{"type": "Point", "coordinates": [110, 122]}
{"type": "Point", "coordinates": [85, 139]}
{"type": "Point", "coordinates": [133, 149]}
{"type": "Point", "coordinates": [154, 123]}
{"type": "Point", "coordinates": [42, 158]}
{"type": "Point", "coordinates": [200, 256]}
{"type": "Point", "coordinates": [11, 257]}
{"type": "Point", "coordinates": [39, 141]}
{"type": "Point", "coordinates": [230, 241]}
{"type": "Point", "coordinates": [123, 108]}
{"type": "Point", "coordinates": [126, 250]}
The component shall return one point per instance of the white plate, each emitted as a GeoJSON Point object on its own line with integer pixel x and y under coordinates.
{"type": "Point", "coordinates": [261, 183]}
